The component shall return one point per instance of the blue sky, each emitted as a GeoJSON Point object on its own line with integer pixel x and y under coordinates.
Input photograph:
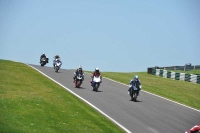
{"type": "Point", "coordinates": [114, 35]}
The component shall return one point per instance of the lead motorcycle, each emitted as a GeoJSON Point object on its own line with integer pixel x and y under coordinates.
{"type": "Point", "coordinates": [96, 83]}
{"type": "Point", "coordinates": [78, 80]}
{"type": "Point", "coordinates": [134, 91]}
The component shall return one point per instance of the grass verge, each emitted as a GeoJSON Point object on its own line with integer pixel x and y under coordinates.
{"type": "Point", "coordinates": [183, 92]}
{"type": "Point", "coordinates": [30, 103]}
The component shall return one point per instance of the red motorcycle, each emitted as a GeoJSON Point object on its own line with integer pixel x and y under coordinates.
{"type": "Point", "coordinates": [195, 129]}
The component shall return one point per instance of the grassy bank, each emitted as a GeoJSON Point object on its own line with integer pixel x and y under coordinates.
{"type": "Point", "coordinates": [183, 92]}
{"type": "Point", "coordinates": [30, 103]}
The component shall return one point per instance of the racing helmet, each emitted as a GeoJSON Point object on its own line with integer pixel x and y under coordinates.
{"type": "Point", "coordinates": [97, 69]}
{"type": "Point", "coordinates": [79, 67]}
{"type": "Point", "coordinates": [136, 77]}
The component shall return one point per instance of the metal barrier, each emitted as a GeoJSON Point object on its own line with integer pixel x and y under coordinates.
{"type": "Point", "coordinates": [183, 68]}
{"type": "Point", "coordinates": [195, 78]}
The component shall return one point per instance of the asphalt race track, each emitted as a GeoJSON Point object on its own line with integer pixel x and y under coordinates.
{"type": "Point", "coordinates": [151, 114]}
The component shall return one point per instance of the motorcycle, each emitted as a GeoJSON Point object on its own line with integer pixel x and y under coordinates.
{"type": "Point", "coordinates": [78, 80]}
{"type": "Point", "coordinates": [134, 92]}
{"type": "Point", "coordinates": [43, 61]}
{"type": "Point", "coordinates": [96, 82]}
{"type": "Point", "coordinates": [194, 129]}
{"type": "Point", "coordinates": [57, 66]}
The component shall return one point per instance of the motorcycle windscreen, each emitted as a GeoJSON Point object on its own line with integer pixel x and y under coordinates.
{"type": "Point", "coordinates": [135, 88]}
{"type": "Point", "coordinates": [79, 76]}
{"type": "Point", "coordinates": [58, 64]}
{"type": "Point", "coordinates": [43, 59]}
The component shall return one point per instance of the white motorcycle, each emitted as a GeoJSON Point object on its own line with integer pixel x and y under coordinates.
{"type": "Point", "coordinates": [96, 82]}
{"type": "Point", "coordinates": [57, 66]}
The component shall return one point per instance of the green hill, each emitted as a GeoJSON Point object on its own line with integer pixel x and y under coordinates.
{"type": "Point", "coordinates": [30, 102]}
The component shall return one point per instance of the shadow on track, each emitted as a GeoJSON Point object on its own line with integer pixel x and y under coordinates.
{"type": "Point", "coordinates": [135, 101]}
{"type": "Point", "coordinates": [58, 72]}
{"type": "Point", "coordinates": [97, 91]}
{"type": "Point", "coordinates": [80, 88]}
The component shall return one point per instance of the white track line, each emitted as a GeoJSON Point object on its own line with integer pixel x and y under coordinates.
{"type": "Point", "coordinates": [83, 100]}
{"type": "Point", "coordinates": [153, 94]}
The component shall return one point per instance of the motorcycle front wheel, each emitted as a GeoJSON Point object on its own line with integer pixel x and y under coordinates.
{"type": "Point", "coordinates": [57, 68]}
{"type": "Point", "coordinates": [78, 83]}
{"type": "Point", "coordinates": [96, 87]}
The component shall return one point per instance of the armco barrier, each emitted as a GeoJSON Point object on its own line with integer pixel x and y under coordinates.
{"type": "Point", "coordinates": [182, 76]}
{"type": "Point", "coordinates": [165, 73]}
{"type": "Point", "coordinates": [194, 78]}
{"type": "Point", "coordinates": [183, 68]}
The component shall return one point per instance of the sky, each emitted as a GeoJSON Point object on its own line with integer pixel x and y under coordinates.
{"type": "Point", "coordinates": [113, 35]}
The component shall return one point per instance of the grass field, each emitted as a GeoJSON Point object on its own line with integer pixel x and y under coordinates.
{"type": "Point", "coordinates": [183, 92]}
{"type": "Point", "coordinates": [29, 102]}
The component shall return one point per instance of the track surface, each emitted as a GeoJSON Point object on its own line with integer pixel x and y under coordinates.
{"type": "Point", "coordinates": [150, 114]}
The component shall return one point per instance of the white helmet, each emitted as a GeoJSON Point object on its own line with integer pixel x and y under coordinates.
{"type": "Point", "coordinates": [80, 67]}
{"type": "Point", "coordinates": [97, 69]}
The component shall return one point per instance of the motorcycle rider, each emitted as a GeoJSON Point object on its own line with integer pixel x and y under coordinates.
{"type": "Point", "coordinates": [79, 70]}
{"type": "Point", "coordinates": [44, 56]}
{"type": "Point", "coordinates": [135, 82]}
{"type": "Point", "coordinates": [96, 73]}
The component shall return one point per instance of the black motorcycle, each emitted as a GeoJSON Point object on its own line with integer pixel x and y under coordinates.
{"type": "Point", "coordinates": [134, 91]}
{"type": "Point", "coordinates": [43, 61]}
